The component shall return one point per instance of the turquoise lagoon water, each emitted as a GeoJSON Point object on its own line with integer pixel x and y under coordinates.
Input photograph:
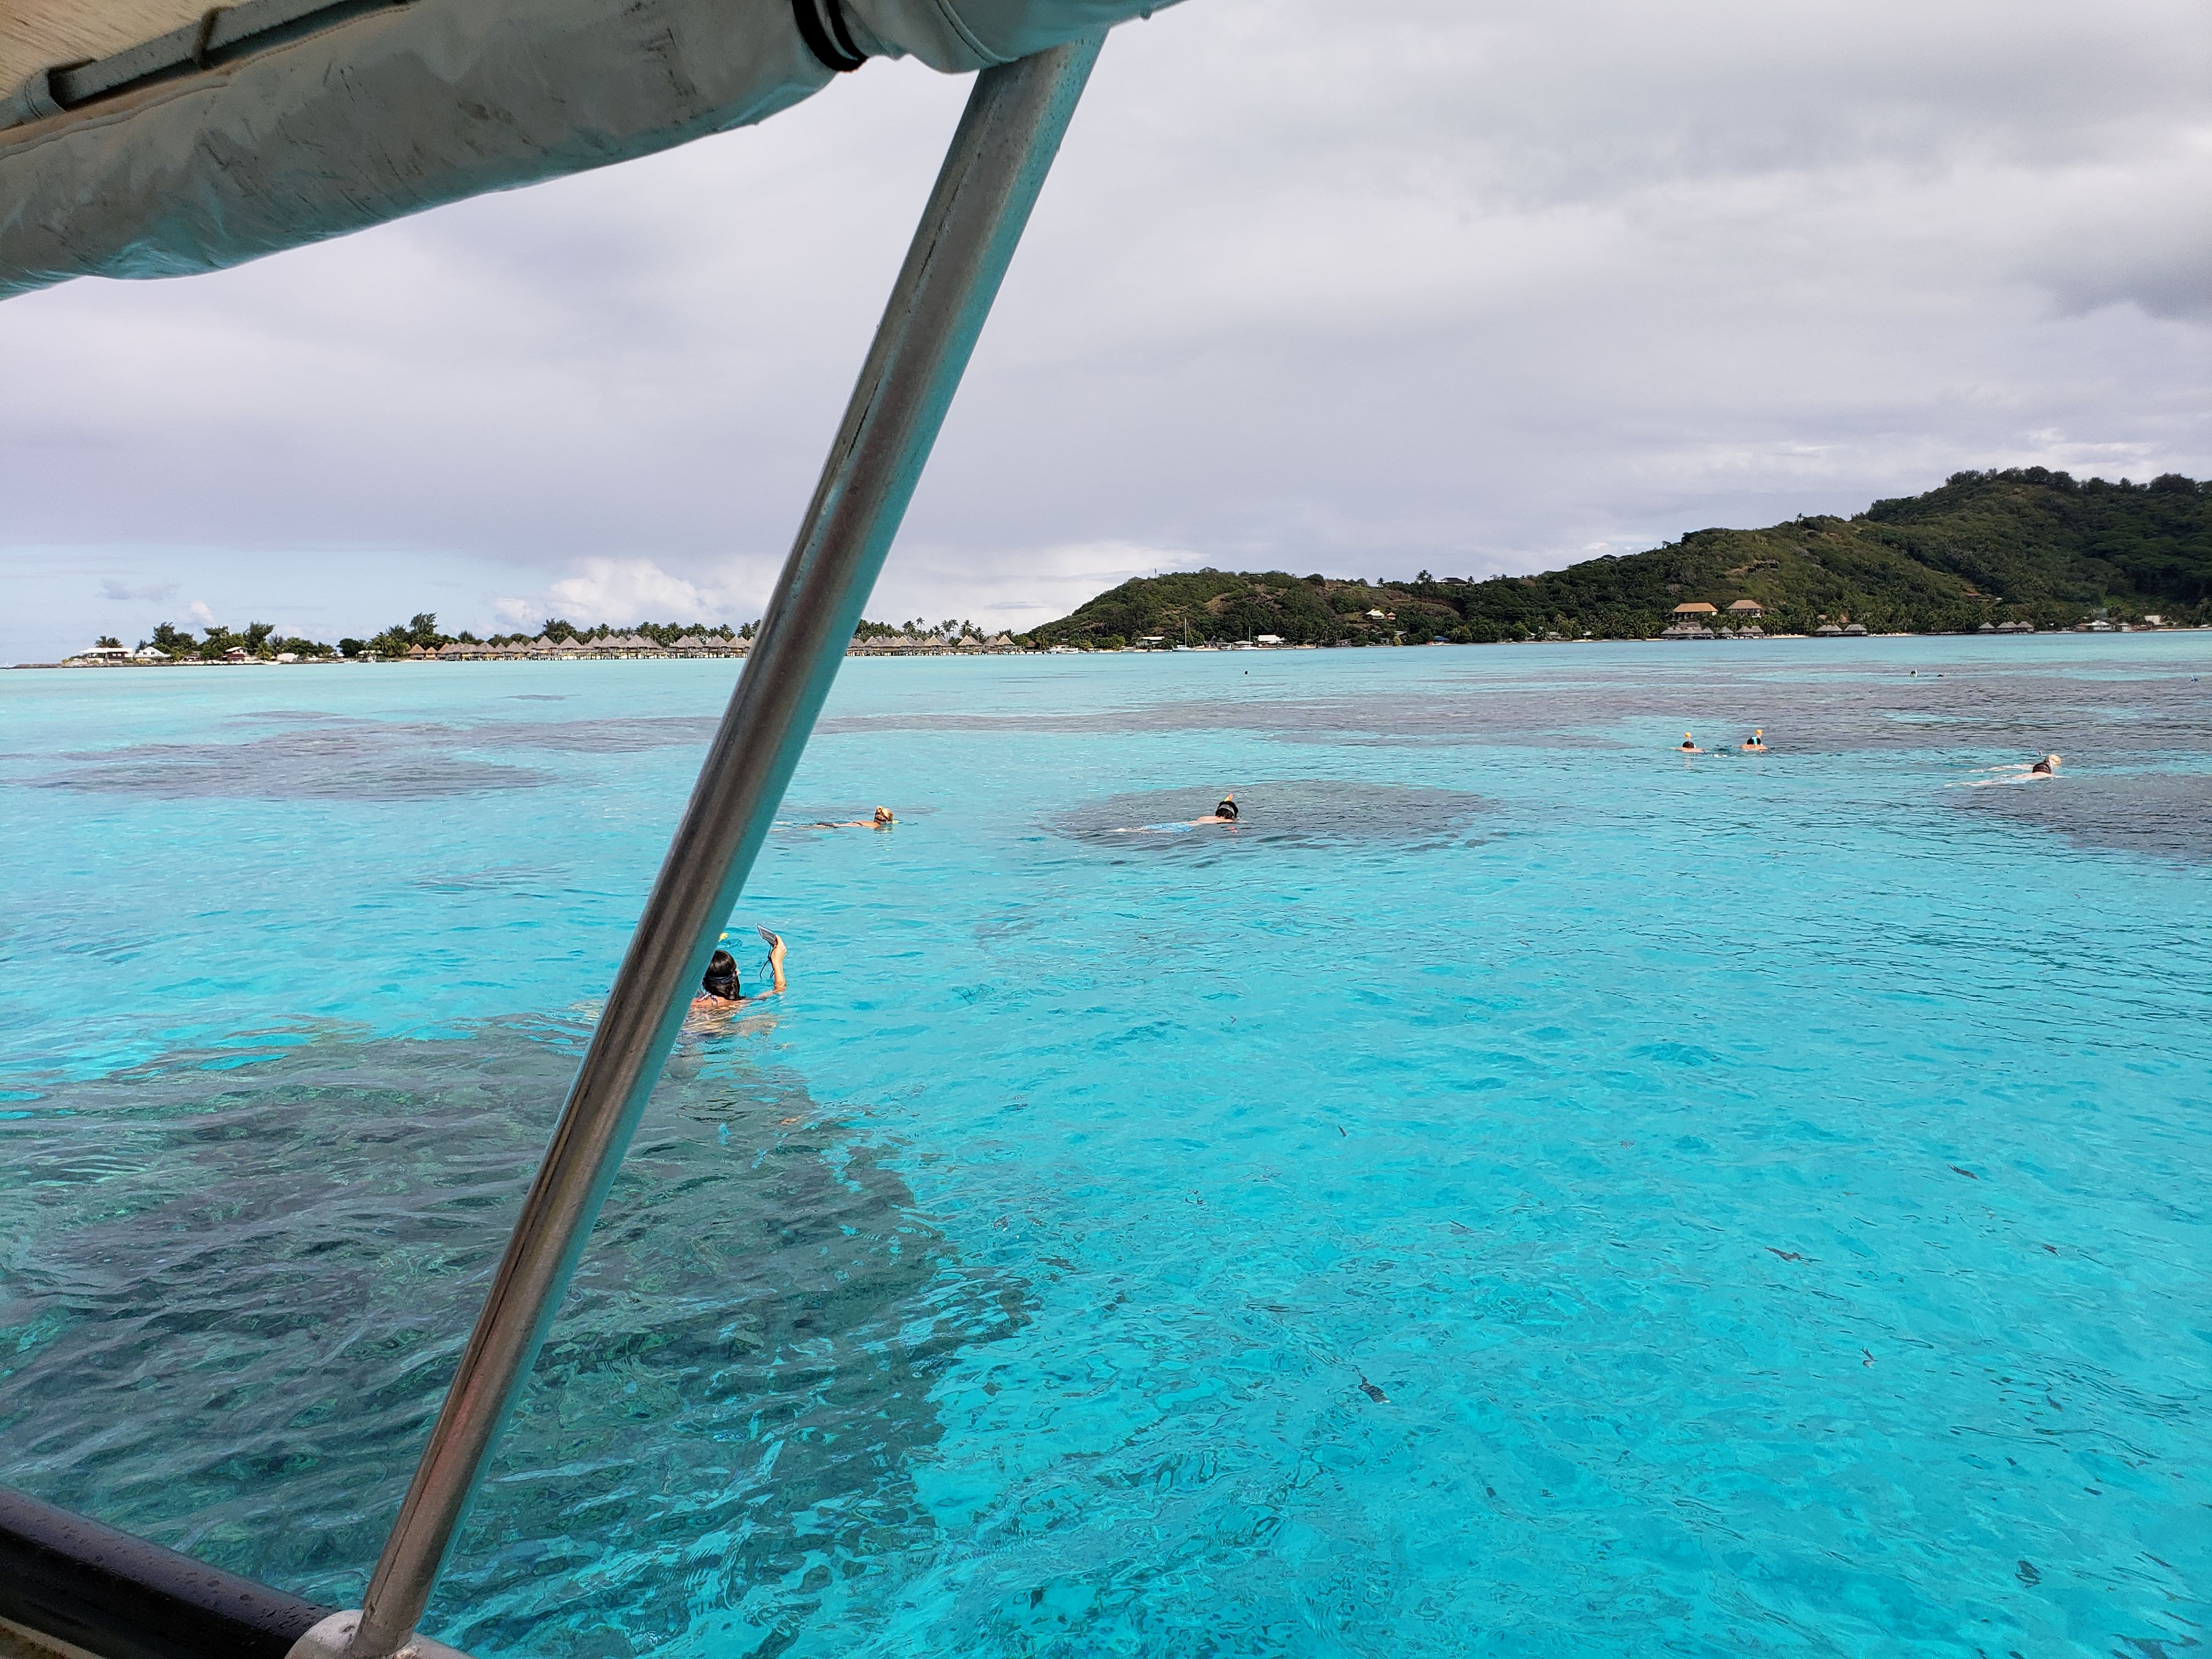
{"type": "Point", "coordinates": [1523, 1192]}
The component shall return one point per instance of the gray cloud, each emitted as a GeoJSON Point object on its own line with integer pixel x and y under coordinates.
{"type": "Point", "coordinates": [1413, 284]}
{"type": "Point", "coordinates": [158, 592]}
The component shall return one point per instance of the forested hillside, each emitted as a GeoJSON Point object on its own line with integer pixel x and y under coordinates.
{"type": "Point", "coordinates": [2027, 546]}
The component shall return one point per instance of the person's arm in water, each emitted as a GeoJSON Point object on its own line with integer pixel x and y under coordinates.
{"type": "Point", "coordinates": [776, 950]}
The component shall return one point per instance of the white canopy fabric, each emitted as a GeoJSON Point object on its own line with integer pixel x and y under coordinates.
{"type": "Point", "coordinates": [196, 139]}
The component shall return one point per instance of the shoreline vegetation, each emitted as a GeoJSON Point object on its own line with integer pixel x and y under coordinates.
{"type": "Point", "coordinates": [2020, 551]}
{"type": "Point", "coordinates": [2016, 551]}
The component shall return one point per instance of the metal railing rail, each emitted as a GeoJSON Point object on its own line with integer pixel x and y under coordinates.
{"type": "Point", "coordinates": [78, 1582]}
{"type": "Point", "coordinates": [999, 156]}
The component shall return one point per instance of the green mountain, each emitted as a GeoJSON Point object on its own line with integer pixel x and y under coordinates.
{"type": "Point", "coordinates": [2025, 545]}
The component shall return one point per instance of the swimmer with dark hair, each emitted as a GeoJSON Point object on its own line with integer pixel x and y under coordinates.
{"type": "Point", "coordinates": [1689, 745]}
{"type": "Point", "coordinates": [719, 988]}
{"type": "Point", "coordinates": [2044, 767]}
{"type": "Point", "coordinates": [1226, 812]}
{"type": "Point", "coordinates": [1756, 742]}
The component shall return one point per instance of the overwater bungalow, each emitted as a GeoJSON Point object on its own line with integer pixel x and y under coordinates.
{"type": "Point", "coordinates": [1691, 621]}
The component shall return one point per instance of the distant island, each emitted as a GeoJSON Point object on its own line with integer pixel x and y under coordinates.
{"type": "Point", "coordinates": [2019, 549]}
{"type": "Point", "coordinates": [416, 638]}
{"type": "Point", "coordinates": [2014, 551]}
{"type": "Point", "coordinates": [419, 639]}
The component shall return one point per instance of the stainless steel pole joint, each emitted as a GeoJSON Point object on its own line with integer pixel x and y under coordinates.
{"type": "Point", "coordinates": [332, 1637]}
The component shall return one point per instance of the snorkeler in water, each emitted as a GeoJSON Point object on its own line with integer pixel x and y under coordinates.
{"type": "Point", "coordinates": [1756, 742]}
{"type": "Point", "coordinates": [1226, 812]}
{"type": "Point", "coordinates": [2044, 767]}
{"type": "Point", "coordinates": [719, 990]}
{"type": "Point", "coordinates": [883, 819]}
{"type": "Point", "coordinates": [1689, 745]}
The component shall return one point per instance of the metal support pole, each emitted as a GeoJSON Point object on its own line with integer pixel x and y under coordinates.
{"type": "Point", "coordinates": [1000, 156]}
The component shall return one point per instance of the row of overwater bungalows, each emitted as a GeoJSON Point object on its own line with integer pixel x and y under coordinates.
{"type": "Point", "coordinates": [697, 645]}
{"type": "Point", "coordinates": [614, 645]}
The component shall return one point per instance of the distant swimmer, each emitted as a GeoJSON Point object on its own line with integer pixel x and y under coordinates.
{"type": "Point", "coordinates": [719, 990]}
{"type": "Point", "coordinates": [1689, 745]}
{"type": "Point", "coordinates": [882, 820]}
{"type": "Point", "coordinates": [1226, 812]}
{"type": "Point", "coordinates": [1756, 742]}
{"type": "Point", "coordinates": [2047, 767]}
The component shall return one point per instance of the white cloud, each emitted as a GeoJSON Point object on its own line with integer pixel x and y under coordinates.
{"type": "Point", "coordinates": [631, 590]}
{"type": "Point", "coordinates": [1015, 590]}
{"type": "Point", "coordinates": [521, 613]}
{"type": "Point", "coordinates": [198, 611]}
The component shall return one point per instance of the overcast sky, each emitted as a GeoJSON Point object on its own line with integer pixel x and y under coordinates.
{"type": "Point", "coordinates": [1358, 288]}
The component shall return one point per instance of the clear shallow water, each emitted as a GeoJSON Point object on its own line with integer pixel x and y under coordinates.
{"type": "Point", "coordinates": [1768, 1193]}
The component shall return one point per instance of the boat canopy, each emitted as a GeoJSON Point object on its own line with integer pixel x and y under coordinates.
{"type": "Point", "coordinates": [164, 138]}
